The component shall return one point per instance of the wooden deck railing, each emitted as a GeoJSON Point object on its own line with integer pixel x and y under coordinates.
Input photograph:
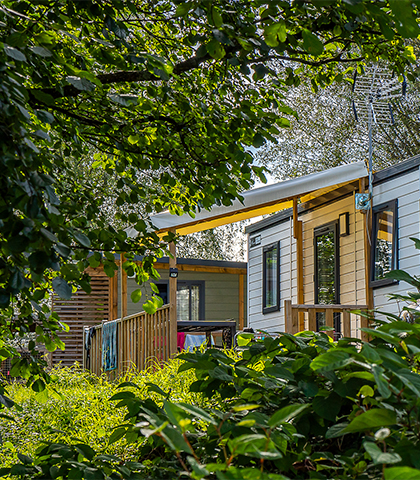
{"type": "Point", "coordinates": [292, 317]}
{"type": "Point", "coordinates": [141, 337]}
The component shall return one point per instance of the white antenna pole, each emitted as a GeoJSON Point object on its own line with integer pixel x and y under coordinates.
{"type": "Point", "coordinates": [373, 89]}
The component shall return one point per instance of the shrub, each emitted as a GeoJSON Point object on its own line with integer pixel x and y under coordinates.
{"type": "Point", "coordinates": [295, 406]}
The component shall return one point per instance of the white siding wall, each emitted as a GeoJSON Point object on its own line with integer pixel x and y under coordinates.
{"type": "Point", "coordinates": [283, 233]}
{"type": "Point", "coordinates": [406, 189]}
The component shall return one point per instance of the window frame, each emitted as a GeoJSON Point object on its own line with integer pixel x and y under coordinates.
{"type": "Point", "coordinates": [267, 248]}
{"type": "Point", "coordinates": [328, 227]}
{"type": "Point", "coordinates": [201, 297]}
{"type": "Point", "coordinates": [202, 290]}
{"type": "Point", "coordinates": [390, 205]}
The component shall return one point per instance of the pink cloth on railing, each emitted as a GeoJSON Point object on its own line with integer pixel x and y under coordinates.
{"type": "Point", "coordinates": [180, 340]}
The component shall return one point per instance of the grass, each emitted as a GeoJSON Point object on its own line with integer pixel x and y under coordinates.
{"type": "Point", "coordinates": [77, 407]}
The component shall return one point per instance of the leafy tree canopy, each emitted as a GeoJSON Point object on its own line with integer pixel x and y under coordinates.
{"type": "Point", "coordinates": [325, 133]}
{"type": "Point", "coordinates": [166, 96]}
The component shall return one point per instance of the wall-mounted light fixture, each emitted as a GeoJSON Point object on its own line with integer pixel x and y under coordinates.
{"type": "Point", "coordinates": [173, 273]}
{"type": "Point", "coordinates": [344, 224]}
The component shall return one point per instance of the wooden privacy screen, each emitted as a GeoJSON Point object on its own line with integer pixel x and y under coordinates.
{"type": "Point", "coordinates": [84, 310]}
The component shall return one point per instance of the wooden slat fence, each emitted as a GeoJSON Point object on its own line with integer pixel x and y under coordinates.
{"type": "Point", "coordinates": [81, 310]}
{"type": "Point", "coordinates": [141, 338]}
{"type": "Point", "coordinates": [292, 317]}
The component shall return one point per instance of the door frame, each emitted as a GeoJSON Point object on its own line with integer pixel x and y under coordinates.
{"type": "Point", "coordinates": [328, 227]}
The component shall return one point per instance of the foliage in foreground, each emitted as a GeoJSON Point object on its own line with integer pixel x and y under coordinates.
{"type": "Point", "coordinates": [75, 407]}
{"type": "Point", "coordinates": [296, 407]}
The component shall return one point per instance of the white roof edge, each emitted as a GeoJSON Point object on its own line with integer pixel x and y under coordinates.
{"type": "Point", "coordinates": [268, 194]}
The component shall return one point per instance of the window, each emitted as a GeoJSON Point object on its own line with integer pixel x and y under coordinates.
{"type": "Point", "coordinates": [327, 284]}
{"type": "Point", "coordinates": [189, 299]}
{"type": "Point", "coordinates": [271, 278]}
{"type": "Point", "coordinates": [384, 243]}
{"type": "Point", "coordinates": [327, 272]}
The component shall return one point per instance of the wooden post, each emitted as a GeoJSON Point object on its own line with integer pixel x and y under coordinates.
{"type": "Point", "coordinates": [173, 320]}
{"type": "Point", "coordinates": [298, 235]}
{"type": "Point", "coordinates": [329, 321]}
{"type": "Point", "coordinates": [123, 296]}
{"type": "Point", "coordinates": [288, 327]}
{"type": "Point", "coordinates": [312, 320]}
{"type": "Point", "coordinates": [346, 324]}
{"type": "Point", "coordinates": [241, 303]}
{"type": "Point", "coordinates": [367, 229]}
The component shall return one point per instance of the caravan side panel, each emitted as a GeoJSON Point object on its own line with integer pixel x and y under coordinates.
{"type": "Point", "coordinates": [283, 233]}
{"type": "Point", "coordinates": [406, 190]}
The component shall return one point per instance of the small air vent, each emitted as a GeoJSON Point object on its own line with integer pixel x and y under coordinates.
{"type": "Point", "coordinates": [254, 241]}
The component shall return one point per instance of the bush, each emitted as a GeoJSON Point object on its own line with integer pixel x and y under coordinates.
{"type": "Point", "coordinates": [296, 406]}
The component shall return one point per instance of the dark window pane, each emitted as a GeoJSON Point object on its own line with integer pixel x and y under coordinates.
{"type": "Point", "coordinates": [271, 280]}
{"type": "Point", "coordinates": [383, 243]}
{"type": "Point", "coordinates": [325, 250]}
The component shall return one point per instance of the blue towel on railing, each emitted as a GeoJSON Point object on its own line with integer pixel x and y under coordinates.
{"type": "Point", "coordinates": [109, 345]}
{"type": "Point", "coordinates": [195, 341]}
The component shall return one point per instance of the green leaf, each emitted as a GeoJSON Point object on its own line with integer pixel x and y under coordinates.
{"type": "Point", "coordinates": [372, 419]}
{"type": "Point", "coordinates": [216, 17]}
{"type": "Point", "coordinates": [82, 238]}
{"type": "Point", "coordinates": [406, 21]}
{"type": "Point", "coordinates": [136, 295]}
{"type": "Point", "coordinates": [254, 445]}
{"type": "Point", "coordinates": [62, 288]}
{"type": "Point", "coordinates": [327, 407]}
{"type": "Point", "coordinates": [402, 276]}
{"type": "Point", "coordinates": [14, 53]}
{"type": "Point", "coordinates": [49, 235]}
{"type": "Point", "coordinates": [87, 451]}
{"type": "Point", "coordinates": [6, 401]}
{"type": "Point", "coordinates": [198, 412]}
{"type": "Point", "coordinates": [116, 435]}
{"type": "Point", "coordinates": [258, 140]}
{"type": "Point", "coordinates": [81, 84]}
{"type": "Point", "coordinates": [275, 33]}
{"type": "Point", "coordinates": [330, 361]}
{"type": "Point", "coordinates": [401, 473]}
{"type": "Point", "coordinates": [383, 386]}
{"type": "Point", "coordinates": [38, 385]}
{"type": "Point", "coordinates": [215, 49]}
{"type": "Point", "coordinates": [175, 440]}
{"type": "Point", "coordinates": [43, 98]}
{"type": "Point", "coordinates": [286, 414]}
{"type": "Point", "coordinates": [410, 380]}
{"type": "Point", "coordinates": [312, 43]}
{"type": "Point", "coordinates": [183, 8]}
{"type": "Point", "coordinates": [155, 388]}
{"type": "Point", "coordinates": [43, 52]}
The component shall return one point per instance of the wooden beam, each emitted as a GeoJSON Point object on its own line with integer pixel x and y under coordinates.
{"type": "Point", "coordinates": [241, 303]}
{"type": "Point", "coordinates": [295, 218]}
{"type": "Point", "coordinates": [367, 229]}
{"type": "Point", "coordinates": [173, 326]}
{"type": "Point", "coordinates": [201, 268]}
